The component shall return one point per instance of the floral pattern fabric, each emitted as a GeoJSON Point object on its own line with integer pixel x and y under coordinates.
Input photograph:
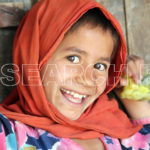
{"type": "Point", "coordinates": [15, 135]}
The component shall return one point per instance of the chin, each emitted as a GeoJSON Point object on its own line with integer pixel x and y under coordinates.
{"type": "Point", "coordinates": [72, 117]}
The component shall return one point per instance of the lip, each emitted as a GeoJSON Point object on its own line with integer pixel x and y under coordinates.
{"type": "Point", "coordinates": [76, 92]}
{"type": "Point", "coordinates": [83, 101]}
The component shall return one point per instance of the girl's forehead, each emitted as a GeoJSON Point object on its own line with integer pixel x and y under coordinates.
{"type": "Point", "coordinates": [87, 41]}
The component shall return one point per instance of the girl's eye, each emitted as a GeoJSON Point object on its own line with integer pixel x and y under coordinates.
{"type": "Point", "coordinates": [74, 59]}
{"type": "Point", "coordinates": [100, 66]}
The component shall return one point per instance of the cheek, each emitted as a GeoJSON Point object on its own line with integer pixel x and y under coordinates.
{"type": "Point", "coordinates": [71, 71]}
{"type": "Point", "coordinates": [101, 83]}
{"type": "Point", "coordinates": [53, 74]}
{"type": "Point", "coordinates": [64, 74]}
{"type": "Point", "coordinates": [101, 78]}
{"type": "Point", "coordinates": [101, 86]}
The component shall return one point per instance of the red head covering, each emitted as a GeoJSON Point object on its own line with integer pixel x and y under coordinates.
{"type": "Point", "coordinates": [38, 35]}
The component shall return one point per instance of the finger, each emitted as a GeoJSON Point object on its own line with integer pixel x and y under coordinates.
{"type": "Point", "coordinates": [131, 68]}
{"type": "Point", "coordinates": [123, 82]}
{"type": "Point", "coordinates": [139, 66]}
{"type": "Point", "coordinates": [126, 71]}
{"type": "Point", "coordinates": [135, 66]}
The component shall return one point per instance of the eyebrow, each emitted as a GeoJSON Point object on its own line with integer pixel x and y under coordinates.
{"type": "Point", "coordinates": [75, 49]}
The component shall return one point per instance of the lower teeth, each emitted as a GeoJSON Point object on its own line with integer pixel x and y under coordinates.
{"type": "Point", "coordinates": [75, 101]}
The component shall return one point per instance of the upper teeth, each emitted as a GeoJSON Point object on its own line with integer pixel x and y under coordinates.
{"type": "Point", "coordinates": [76, 95]}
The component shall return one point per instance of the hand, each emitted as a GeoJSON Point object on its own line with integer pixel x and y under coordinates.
{"type": "Point", "coordinates": [134, 69]}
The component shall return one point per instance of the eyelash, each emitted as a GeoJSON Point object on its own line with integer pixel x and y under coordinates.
{"type": "Point", "coordinates": [104, 66]}
{"type": "Point", "coordinates": [95, 66]}
{"type": "Point", "coordinates": [69, 58]}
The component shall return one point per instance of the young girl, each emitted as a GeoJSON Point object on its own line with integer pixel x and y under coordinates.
{"type": "Point", "coordinates": [67, 56]}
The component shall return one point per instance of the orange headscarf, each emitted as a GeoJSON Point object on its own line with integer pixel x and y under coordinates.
{"type": "Point", "coordinates": [37, 37]}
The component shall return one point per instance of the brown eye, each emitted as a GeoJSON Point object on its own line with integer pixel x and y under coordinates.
{"type": "Point", "coordinates": [74, 59]}
{"type": "Point", "coordinates": [100, 66]}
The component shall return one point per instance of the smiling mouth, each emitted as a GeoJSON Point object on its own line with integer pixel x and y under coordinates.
{"type": "Point", "coordinates": [73, 97]}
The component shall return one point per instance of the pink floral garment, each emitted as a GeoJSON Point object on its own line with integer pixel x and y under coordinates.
{"type": "Point", "coordinates": [15, 135]}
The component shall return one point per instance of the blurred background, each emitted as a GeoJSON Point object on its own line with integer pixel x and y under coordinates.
{"type": "Point", "coordinates": [133, 15]}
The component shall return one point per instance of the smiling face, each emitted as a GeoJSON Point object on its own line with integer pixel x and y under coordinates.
{"type": "Point", "coordinates": [76, 74]}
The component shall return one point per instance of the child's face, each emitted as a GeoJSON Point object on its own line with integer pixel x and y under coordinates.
{"type": "Point", "coordinates": [76, 74]}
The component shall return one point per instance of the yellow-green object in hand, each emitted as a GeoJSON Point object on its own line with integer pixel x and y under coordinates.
{"type": "Point", "coordinates": [135, 91]}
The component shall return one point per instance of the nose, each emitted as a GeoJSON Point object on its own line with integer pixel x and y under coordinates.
{"type": "Point", "coordinates": [93, 77]}
{"type": "Point", "coordinates": [86, 76]}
